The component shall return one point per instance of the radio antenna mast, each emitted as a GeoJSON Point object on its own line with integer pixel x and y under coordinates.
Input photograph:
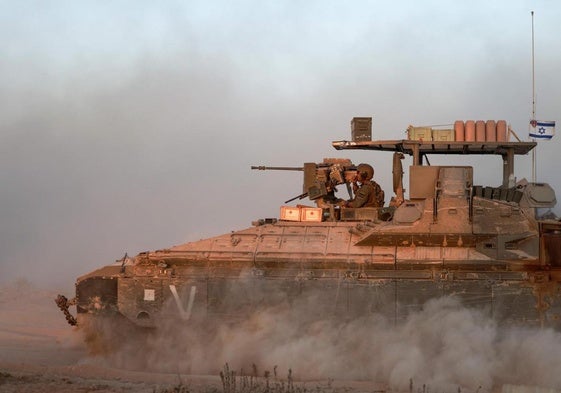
{"type": "Point", "coordinates": [533, 120]}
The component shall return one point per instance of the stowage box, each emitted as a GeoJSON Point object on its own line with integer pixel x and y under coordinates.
{"type": "Point", "coordinates": [361, 129]}
{"type": "Point", "coordinates": [313, 214]}
{"type": "Point", "coordinates": [290, 213]}
{"type": "Point", "coordinates": [419, 133]}
{"type": "Point", "coordinates": [443, 135]}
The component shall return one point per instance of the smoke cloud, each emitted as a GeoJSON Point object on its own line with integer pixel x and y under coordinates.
{"type": "Point", "coordinates": [130, 128]}
{"type": "Point", "coordinates": [126, 128]}
{"type": "Point", "coordinates": [444, 347]}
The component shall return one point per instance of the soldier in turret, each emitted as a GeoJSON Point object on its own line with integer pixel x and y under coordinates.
{"type": "Point", "coordinates": [367, 192]}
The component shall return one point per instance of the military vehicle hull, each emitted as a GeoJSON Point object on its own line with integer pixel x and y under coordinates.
{"type": "Point", "coordinates": [234, 275]}
{"type": "Point", "coordinates": [481, 245]}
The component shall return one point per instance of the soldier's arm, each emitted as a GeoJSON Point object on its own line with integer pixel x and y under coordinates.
{"type": "Point", "coordinates": [361, 197]}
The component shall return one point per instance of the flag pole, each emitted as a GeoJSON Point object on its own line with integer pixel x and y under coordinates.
{"type": "Point", "coordinates": [533, 120]}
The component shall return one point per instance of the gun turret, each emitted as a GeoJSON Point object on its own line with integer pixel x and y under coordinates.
{"type": "Point", "coordinates": [320, 179]}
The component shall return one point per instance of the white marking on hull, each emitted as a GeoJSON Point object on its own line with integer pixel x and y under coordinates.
{"type": "Point", "coordinates": [184, 314]}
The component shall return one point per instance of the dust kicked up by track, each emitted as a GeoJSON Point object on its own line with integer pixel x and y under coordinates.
{"type": "Point", "coordinates": [444, 347]}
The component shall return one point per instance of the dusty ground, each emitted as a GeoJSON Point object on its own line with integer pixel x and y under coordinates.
{"type": "Point", "coordinates": [40, 352]}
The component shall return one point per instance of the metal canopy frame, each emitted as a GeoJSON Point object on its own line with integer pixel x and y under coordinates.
{"type": "Point", "coordinates": [419, 149]}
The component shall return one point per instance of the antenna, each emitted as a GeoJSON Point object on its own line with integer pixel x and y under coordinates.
{"type": "Point", "coordinates": [533, 74]}
{"type": "Point", "coordinates": [533, 120]}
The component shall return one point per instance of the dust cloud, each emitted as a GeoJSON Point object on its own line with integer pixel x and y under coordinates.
{"type": "Point", "coordinates": [117, 139]}
{"type": "Point", "coordinates": [125, 130]}
{"type": "Point", "coordinates": [32, 330]}
{"type": "Point", "coordinates": [443, 347]}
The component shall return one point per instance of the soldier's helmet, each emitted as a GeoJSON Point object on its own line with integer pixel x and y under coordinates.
{"type": "Point", "coordinates": [366, 171]}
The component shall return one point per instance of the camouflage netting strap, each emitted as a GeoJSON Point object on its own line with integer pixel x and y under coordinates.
{"type": "Point", "coordinates": [63, 303]}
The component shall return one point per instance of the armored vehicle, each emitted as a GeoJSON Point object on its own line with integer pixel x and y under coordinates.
{"type": "Point", "coordinates": [482, 244]}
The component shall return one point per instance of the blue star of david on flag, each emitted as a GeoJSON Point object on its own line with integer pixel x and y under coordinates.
{"type": "Point", "coordinates": [542, 129]}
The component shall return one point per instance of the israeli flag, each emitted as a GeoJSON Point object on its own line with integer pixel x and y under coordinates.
{"type": "Point", "coordinates": [542, 129]}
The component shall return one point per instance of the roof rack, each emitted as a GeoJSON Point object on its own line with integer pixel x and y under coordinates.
{"type": "Point", "coordinates": [418, 149]}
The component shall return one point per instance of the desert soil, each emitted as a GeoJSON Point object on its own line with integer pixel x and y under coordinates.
{"type": "Point", "coordinates": [40, 352]}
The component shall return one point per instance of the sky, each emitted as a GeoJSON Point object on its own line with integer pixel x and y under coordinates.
{"type": "Point", "coordinates": [128, 126]}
